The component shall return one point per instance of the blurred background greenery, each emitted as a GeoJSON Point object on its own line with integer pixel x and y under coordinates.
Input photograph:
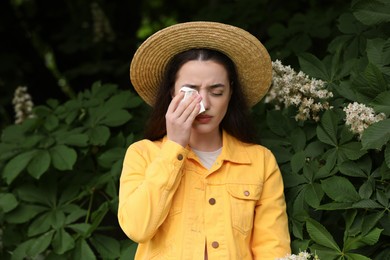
{"type": "Point", "coordinates": [57, 48]}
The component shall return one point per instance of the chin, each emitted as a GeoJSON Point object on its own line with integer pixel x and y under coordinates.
{"type": "Point", "coordinates": [204, 129]}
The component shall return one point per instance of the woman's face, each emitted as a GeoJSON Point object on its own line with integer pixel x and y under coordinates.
{"type": "Point", "coordinates": [211, 80]}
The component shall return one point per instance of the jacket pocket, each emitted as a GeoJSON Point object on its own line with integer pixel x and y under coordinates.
{"type": "Point", "coordinates": [243, 198]}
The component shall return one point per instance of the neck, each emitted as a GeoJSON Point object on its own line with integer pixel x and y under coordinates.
{"type": "Point", "coordinates": [206, 142]}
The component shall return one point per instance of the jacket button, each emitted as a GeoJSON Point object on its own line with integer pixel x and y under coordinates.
{"type": "Point", "coordinates": [212, 201]}
{"type": "Point", "coordinates": [247, 193]}
{"type": "Point", "coordinates": [215, 244]}
{"type": "Point", "coordinates": [180, 157]}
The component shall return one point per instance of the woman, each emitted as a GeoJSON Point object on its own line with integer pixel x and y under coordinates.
{"type": "Point", "coordinates": [197, 186]}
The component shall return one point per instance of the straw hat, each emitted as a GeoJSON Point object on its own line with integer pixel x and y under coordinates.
{"type": "Point", "coordinates": [253, 63]}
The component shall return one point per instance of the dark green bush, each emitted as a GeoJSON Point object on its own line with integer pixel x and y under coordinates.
{"type": "Point", "coordinates": [60, 169]}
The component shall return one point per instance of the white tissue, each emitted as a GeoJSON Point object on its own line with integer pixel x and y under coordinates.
{"type": "Point", "coordinates": [189, 92]}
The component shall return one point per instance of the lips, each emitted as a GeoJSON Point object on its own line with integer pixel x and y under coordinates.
{"type": "Point", "coordinates": [203, 118]}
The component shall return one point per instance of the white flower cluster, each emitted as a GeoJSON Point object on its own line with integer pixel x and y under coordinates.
{"type": "Point", "coordinates": [291, 88]}
{"type": "Point", "coordinates": [101, 24]}
{"type": "Point", "coordinates": [301, 256]}
{"type": "Point", "coordinates": [23, 104]}
{"type": "Point", "coordinates": [359, 117]}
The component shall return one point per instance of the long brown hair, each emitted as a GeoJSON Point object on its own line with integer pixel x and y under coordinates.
{"type": "Point", "coordinates": [236, 122]}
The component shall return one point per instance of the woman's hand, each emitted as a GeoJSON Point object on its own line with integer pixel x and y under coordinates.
{"type": "Point", "coordinates": [180, 116]}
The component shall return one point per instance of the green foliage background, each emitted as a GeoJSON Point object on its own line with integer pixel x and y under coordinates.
{"type": "Point", "coordinates": [60, 170]}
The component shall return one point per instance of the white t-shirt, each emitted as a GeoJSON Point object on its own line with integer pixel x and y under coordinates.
{"type": "Point", "coordinates": [207, 158]}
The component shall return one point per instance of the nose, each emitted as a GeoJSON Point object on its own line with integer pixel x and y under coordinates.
{"type": "Point", "coordinates": [205, 98]}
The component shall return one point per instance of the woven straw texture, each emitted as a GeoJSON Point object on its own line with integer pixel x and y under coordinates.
{"type": "Point", "coordinates": [252, 60]}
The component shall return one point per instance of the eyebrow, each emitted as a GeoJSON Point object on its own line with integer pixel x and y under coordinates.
{"type": "Point", "coordinates": [217, 85]}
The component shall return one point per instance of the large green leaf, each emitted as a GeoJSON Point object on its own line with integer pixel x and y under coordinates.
{"type": "Point", "coordinates": [99, 135]}
{"type": "Point", "coordinates": [313, 194]}
{"type": "Point", "coordinates": [340, 189]}
{"type": "Point", "coordinates": [63, 157]}
{"type": "Point", "coordinates": [387, 155]}
{"type": "Point", "coordinates": [353, 256]}
{"type": "Point", "coordinates": [62, 242]}
{"type": "Point", "coordinates": [312, 66]}
{"type": "Point", "coordinates": [327, 131]}
{"type": "Point", "coordinates": [116, 118]}
{"type": "Point", "coordinates": [352, 150]}
{"type": "Point", "coordinates": [298, 161]}
{"type": "Point", "coordinates": [74, 139]}
{"type": "Point", "coordinates": [16, 165]}
{"type": "Point", "coordinates": [381, 103]}
{"type": "Point", "coordinates": [39, 164]}
{"type": "Point", "coordinates": [83, 251]}
{"type": "Point", "coordinates": [40, 244]}
{"type": "Point", "coordinates": [371, 12]}
{"type": "Point", "coordinates": [23, 213]}
{"type": "Point", "coordinates": [40, 225]}
{"type": "Point", "coordinates": [350, 168]}
{"type": "Point", "coordinates": [7, 202]}
{"type": "Point", "coordinates": [107, 247]}
{"type": "Point", "coordinates": [376, 135]}
{"type": "Point", "coordinates": [355, 242]}
{"type": "Point", "coordinates": [370, 221]}
{"type": "Point", "coordinates": [320, 235]}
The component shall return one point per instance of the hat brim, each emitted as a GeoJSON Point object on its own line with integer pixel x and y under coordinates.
{"type": "Point", "coordinates": [252, 61]}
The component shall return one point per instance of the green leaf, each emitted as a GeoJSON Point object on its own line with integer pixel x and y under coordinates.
{"type": "Point", "coordinates": [381, 103]}
{"type": "Point", "coordinates": [75, 214]}
{"type": "Point", "coordinates": [40, 225]}
{"type": "Point", "coordinates": [7, 202]}
{"type": "Point", "coordinates": [40, 244]}
{"type": "Point", "coordinates": [116, 118]}
{"type": "Point", "coordinates": [327, 130]}
{"type": "Point", "coordinates": [16, 165]}
{"type": "Point", "coordinates": [387, 155]}
{"type": "Point", "coordinates": [340, 189]}
{"type": "Point", "coordinates": [370, 221]}
{"type": "Point", "coordinates": [372, 12]}
{"type": "Point", "coordinates": [320, 235]}
{"type": "Point", "coordinates": [367, 204]}
{"type": "Point", "coordinates": [83, 251]}
{"type": "Point", "coordinates": [352, 256]}
{"type": "Point", "coordinates": [106, 246]}
{"type": "Point", "coordinates": [335, 206]}
{"type": "Point", "coordinates": [376, 135]}
{"type": "Point", "coordinates": [80, 228]}
{"type": "Point", "coordinates": [99, 135]}
{"type": "Point", "coordinates": [312, 66]}
{"type": "Point", "coordinates": [63, 157]}
{"type": "Point", "coordinates": [366, 190]}
{"type": "Point", "coordinates": [79, 140]}
{"type": "Point", "coordinates": [350, 168]}
{"type": "Point", "coordinates": [109, 157]}
{"type": "Point", "coordinates": [298, 139]}
{"type": "Point", "coordinates": [352, 150]}
{"type": "Point", "coordinates": [51, 123]}
{"type": "Point", "coordinates": [378, 53]}
{"type": "Point", "coordinates": [62, 242]}
{"type": "Point", "coordinates": [298, 161]}
{"type": "Point", "coordinates": [277, 123]}
{"type": "Point", "coordinates": [39, 164]}
{"type": "Point", "coordinates": [313, 194]}
{"type": "Point", "coordinates": [382, 198]}
{"type": "Point", "coordinates": [23, 213]}
{"type": "Point", "coordinates": [20, 251]}
{"type": "Point", "coordinates": [376, 80]}
{"type": "Point", "coordinates": [30, 193]}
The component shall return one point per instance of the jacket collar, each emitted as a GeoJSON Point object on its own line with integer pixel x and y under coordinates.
{"type": "Point", "coordinates": [233, 150]}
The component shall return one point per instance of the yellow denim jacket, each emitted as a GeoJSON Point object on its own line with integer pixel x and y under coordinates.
{"type": "Point", "coordinates": [171, 205]}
